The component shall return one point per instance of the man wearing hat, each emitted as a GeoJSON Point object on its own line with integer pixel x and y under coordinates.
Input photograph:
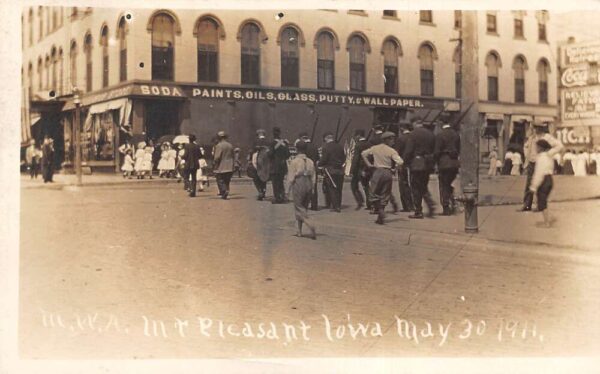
{"type": "Point", "coordinates": [259, 163]}
{"type": "Point", "coordinates": [419, 156]}
{"type": "Point", "coordinates": [530, 149]}
{"type": "Point", "coordinates": [192, 155]}
{"type": "Point", "coordinates": [313, 154]}
{"type": "Point", "coordinates": [403, 180]}
{"type": "Point", "coordinates": [384, 159]}
{"type": "Point", "coordinates": [223, 164]}
{"type": "Point", "coordinates": [447, 150]}
{"type": "Point", "coordinates": [359, 170]}
{"type": "Point", "coordinates": [332, 162]}
{"type": "Point", "coordinates": [278, 153]}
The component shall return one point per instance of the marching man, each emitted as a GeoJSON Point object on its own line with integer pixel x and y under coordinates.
{"type": "Point", "coordinates": [384, 159]}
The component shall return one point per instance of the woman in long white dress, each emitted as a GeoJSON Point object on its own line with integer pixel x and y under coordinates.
{"type": "Point", "coordinates": [517, 160]}
{"type": "Point", "coordinates": [580, 164]}
{"type": "Point", "coordinates": [493, 161]}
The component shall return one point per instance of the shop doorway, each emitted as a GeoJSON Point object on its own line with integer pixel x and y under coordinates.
{"type": "Point", "coordinates": [161, 118]}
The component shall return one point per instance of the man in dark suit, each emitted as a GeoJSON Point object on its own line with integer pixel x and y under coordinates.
{"type": "Point", "coordinates": [279, 153]}
{"type": "Point", "coordinates": [312, 152]}
{"type": "Point", "coordinates": [359, 171]}
{"type": "Point", "coordinates": [332, 162]}
{"type": "Point", "coordinates": [192, 156]}
{"type": "Point", "coordinates": [418, 154]}
{"type": "Point", "coordinates": [447, 150]}
{"type": "Point", "coordinates": [403, 181]}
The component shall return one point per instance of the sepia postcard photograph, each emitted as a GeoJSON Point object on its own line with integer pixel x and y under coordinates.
{"type": "Point", "coordinates": [274, 187]}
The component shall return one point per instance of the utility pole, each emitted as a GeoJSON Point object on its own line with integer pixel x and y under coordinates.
{"type": "Point", "coordinates": [469, 128]}
{"type": "Point", "coordinates": [77, 135]}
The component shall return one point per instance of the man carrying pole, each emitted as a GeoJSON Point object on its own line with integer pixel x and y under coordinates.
{"type": "Point", "coordinates": [313, 154]}
{"type": "Point", "coordinates": [332, 162]}
{"type": "Point", "coordinates": [359, 171]}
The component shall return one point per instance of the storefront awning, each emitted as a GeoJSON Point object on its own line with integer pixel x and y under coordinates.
{"type": "Point", "coordinates": [521, 117]}
{"type": "Point", "coordinates": [495, 116]}
{"type": "Point", "coordinates": [122, 105]}
{"type": "Point", "coordinates": [544, 119]}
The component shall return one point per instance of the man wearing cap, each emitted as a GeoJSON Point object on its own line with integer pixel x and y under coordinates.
{"type": "Point", "coordinates": [278, 153]}
{"type": "Point", "coordinates": [447, 150]}
{"type": "Point", "coordinates": [223, 164]}
{"type": "Point", "coordinates": [403, 181]}
{"type": "Point", "coordinates": [419, 156]}
{"type": "Point", "coordinates": [530, 150]}
{"type": "Point", "coordinates": [384, 159]}
{"type": "Point", "coordinates": [192, 155]}
{"type": "Point", "coordinates": [359, 170]}
{"type": "Point", "coordinates": [313, 154]}
{"type": "Point", "coordinates": [332, 162]}
{"type": "Point", "coordinates": [259, 163]}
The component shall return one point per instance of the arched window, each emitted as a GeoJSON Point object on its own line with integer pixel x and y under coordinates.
{"type": "Point", "coordinates": [105, 66]}
{"type": "Point", "coordinates": [290, 54]}
{"type": "Point", "coordinates": [163, 43]}
{"type": "Point", "coordinates": [40, 68]}
{"type": "Point", "coordinates": [30, 27]}
{"type": "Point", "coordinates": [208, 50]}
{"type": "Point", "coordinates": [41, 21]}
{"type": "Point", "coordinates": [54, 63]}
{"type": "Point", "coordinates": [47, 73]}
{"type": "Point", "coordinates": [426, 62]}
{"type": "Point", "coordinates": [390, 66]}
{"type": "Point", "coordinates": [519, 69]}
{"type": "Point", "coordinates": [73, 64]}
{"type": "Point", "coordinates": [29, 80]}
{"type": "Point", "coordinates": [457, 73]}
{"type": "Point", "coordinates": [54, 18]}
{"type": "Point", "coordinates": [357, 51]}
{"type": "Point", "coordinates": [60, 71]}
{"type": "Point", "coordinates": [543, 70]}
{"type": "Point", "coordinates": [250, 54]}
{"type": "Point", "coordinates": [122, 35]}
{"type": "Point", "coordinates": [325, 61]}
{"type": "Point", "coordinates": [492, 63]}
{"type": "Point", "coordinates": [87, 49]}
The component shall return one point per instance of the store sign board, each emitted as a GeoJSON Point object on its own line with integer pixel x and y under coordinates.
{"type": "Point", "coordinates": [580, 103]}
{"type": "Point", "coordinates": [257, 94]}
{"type": "Point", "coordinates": [579, 75]}
{"type": "Point", "coordinates": [107, 95]}
{"type": "Point", "coordinates": [574, 135]}
{"type": "Point", "coordinates": [580, 53]}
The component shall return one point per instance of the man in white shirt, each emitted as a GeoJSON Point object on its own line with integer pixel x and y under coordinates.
{"type": "Point", "coordinates": [384, 159]}
{"type": "Point", "coordinates": [541, 132]}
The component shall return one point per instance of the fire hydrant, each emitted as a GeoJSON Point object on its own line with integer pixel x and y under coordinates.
{"type": "Point", "coordinates": [469, 200]}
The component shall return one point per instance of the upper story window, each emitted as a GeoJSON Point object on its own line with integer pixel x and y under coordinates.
{"type": "Point", "coordinates": [390, 13]}
{"type": "Point", "coordinates": [357, 52]}
{"type": "Point", "coordinates": [325, 61]}
{"type": "Point", "coordinates": [543, 69]}
{"type": "Point", "coordinates": [87, 48]}
{"type": "Point", "coordinates": [208, 50]}
{"type": "Point", "coordinates": [163, 47]}
{"type": "Point", "coordinates": [519, 67]}
{"type": "Point", "coordinates": [122, 36]}
{"type": "Point", "coordinates": [41, 22]}
{"type": "Point", "coordinates": [491, 23]}
{"type": "Point", "coordinates": [457, 19]}
{"type": "Point", "coordinates": [105, 64]}
{"type": "Point", "coordinates": [457, 74]}
{"type": "Point", "coordinates": [542, 18]}
{"type": "Point", "coordinates": [519, 32]}
{"type": "Point", "coordinates": [492, 62]}
{"type": "Point", "coordinates": [30, 24]}
{"type": "Point", "coordinates": [290, 55]}
{"type": "Point", "coordinates": [426, 16]}
{"type": "Point", "coordinates": [73, 63]}
{"type": "Point", "coordinates": [426, 57]}
{"type": "Point", "coordinates": [250, 44]}
{"type": "Point", "coordinates": [390, 66]}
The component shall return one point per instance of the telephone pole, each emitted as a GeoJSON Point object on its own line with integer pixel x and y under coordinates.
{"type": "Point", "coordinates": [469, 128]}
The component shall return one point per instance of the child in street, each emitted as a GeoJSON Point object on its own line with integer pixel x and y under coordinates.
{"type": "Point", "coordinates": [164, 159]}
{"type": "Point", "coordinates": [541, 182]}
{"type": "Point", "coordinates": [127, 167]}
{"type": "Point", "coordinates": [139, 160]}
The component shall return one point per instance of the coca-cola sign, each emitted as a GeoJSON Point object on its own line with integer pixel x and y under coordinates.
{"type": "Point", "coordinates": [576, 76]}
